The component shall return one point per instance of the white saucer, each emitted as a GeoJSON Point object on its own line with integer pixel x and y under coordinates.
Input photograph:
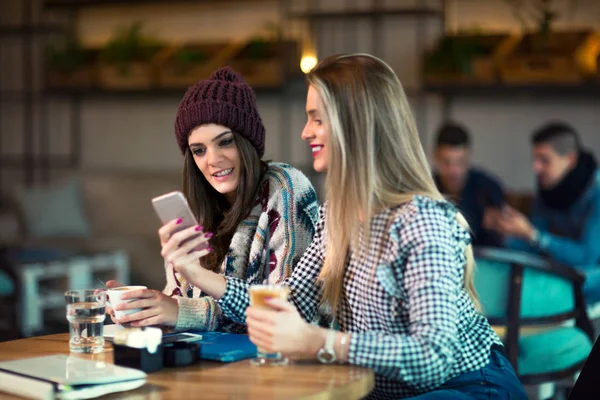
{"type": "Point", "coordinates": [111, 330]}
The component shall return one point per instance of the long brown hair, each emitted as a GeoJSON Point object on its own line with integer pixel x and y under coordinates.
{"type": "Point", "coordinates": [376, 160]}
{"type": "Point", "coordinates": [212, 209]}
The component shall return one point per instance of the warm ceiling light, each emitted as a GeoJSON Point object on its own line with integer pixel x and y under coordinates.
{"type": "Point", "coordinates": [307, 63]}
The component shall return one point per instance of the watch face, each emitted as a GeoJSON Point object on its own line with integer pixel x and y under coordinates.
{"type": "Point", "coordinates": [325, 357]}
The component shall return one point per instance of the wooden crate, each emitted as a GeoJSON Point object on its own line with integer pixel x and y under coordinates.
{"type": "Point", "coordinates": [172, 74]}
{"type": "Point", "coordinates": [279, 63]}
{"type": "Point", "coordinates": [561, 57]}
{"type": "Point", "coordinates": [467, 59]}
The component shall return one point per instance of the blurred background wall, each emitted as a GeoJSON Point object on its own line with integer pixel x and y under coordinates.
{"type": "Point", "coordinates": [135, 132]}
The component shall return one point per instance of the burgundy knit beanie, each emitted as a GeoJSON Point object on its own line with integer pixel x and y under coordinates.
{"type": "Point", "coordinates": [224, 99]}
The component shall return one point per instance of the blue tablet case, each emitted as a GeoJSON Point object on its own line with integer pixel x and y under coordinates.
{"type": "Point", "coordinates": [225, 347]}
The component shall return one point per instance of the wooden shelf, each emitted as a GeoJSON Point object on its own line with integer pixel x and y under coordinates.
{"type": "Point", "coordinates": [97, 92]}
{"type": "Point", "coordinates": [31, 30]}
{"type": "Point", "coordinates": [367, 13]}
{"type": "Point", "coordinates": [587, 89]}
{"type": "Point", "coordinates": [65, 4]}
{"type": "Point", "coordinates": [293, 87]}
{"type": "Point", "coordinates": [16, 161]}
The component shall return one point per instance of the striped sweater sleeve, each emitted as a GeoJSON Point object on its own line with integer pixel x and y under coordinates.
{"type": "Point", "coordinates": [292, 214]}
{"type": "Point", "coordinates": [202, 313]}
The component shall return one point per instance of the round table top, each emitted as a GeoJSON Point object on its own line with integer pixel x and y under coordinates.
{"type": "Point", "coordinates": [214, 380]}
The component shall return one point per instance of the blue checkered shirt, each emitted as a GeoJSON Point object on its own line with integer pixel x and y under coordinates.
{"type": "Point", "coordinates": [409, 316]}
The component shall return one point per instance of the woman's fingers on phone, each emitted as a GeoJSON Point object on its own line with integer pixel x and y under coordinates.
{"type": "Point", "coordinates": [187, 233]}
{"type": "Point", "coordinates": [173, 242]}
{"type": "Point", "coordinates": [199, 243]}
{"type": "Point", "coordinates": [182, 237]}
{"type": "Point", "coordinates": [165, 231]}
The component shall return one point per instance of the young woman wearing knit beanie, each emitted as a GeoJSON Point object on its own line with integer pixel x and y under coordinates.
{"type": "Point", "coordinates": [391, 258]}
{"type": "Point", "coordinates": [247, 208]}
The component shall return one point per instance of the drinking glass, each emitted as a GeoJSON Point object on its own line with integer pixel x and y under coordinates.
{"type": "Point", "coordinates": [86, 314]}
{"type": "Point", "coordinates": [258, 296]}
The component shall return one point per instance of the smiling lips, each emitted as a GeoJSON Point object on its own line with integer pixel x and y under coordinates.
{"type": "Point", "coordinates": [223, 174]}
{"type": "Point", "coordinates": [316, 149]}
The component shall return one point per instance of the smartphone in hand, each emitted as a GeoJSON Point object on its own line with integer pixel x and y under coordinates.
{"type": "Point", "coordinates": [172, 206]}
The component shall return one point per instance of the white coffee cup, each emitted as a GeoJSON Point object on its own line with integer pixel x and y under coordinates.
{"type": "Point", "coordinates": [114, 296]}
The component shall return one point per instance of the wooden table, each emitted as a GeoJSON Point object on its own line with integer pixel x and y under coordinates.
{"type": "Point", "coordinates": [212, 380]}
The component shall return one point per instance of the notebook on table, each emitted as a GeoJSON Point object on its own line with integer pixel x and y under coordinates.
{"type": "Point", "coordinates": [224, 346]}
{"type": "Point", "coordinates": [66, 377]}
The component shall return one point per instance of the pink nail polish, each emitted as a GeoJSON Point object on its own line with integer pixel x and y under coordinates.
{"type": "Point", "coordinates": [209, 249]}
{"type": "Point", "coordinates": [209, 235]}
{"type": "Point", "coordinates": [180, 220]}
{"type": "Point", "coordinates": [198, 228]}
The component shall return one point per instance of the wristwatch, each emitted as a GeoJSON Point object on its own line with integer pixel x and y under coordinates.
{"type": "Point", "coordinates": [326, 354]}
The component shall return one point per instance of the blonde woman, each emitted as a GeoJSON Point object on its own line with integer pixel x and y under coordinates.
{"type": "Point", "coordinates": [391, 258]}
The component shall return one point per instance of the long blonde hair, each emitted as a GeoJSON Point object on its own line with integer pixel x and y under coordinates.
{"type": "Point", "coordinates": [375, 158]}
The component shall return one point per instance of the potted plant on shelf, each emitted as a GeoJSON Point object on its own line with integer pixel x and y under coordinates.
{"type": "Point", "coordinates": [69, 65]}
{"type": "Point", "coordinates": [128, 60]}
{"type": "Point", "coordinates": [267, 60]}
{"type": "Point", "coordinates": [467, 58]}
{"type": "Point", "coordinates": [546, 55]}
{"type": "Point", "coordinates": [182, 66]}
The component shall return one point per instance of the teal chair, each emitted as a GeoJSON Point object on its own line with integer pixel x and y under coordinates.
{"type": "Point", "coordinates": [519, 290]}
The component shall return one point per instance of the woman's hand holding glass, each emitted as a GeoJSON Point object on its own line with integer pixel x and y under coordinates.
{"type": "Point", "coordinates": [281, 329]}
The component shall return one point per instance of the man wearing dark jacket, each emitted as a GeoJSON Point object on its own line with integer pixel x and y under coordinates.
{"type": "Point", "coordinates": [471, 189]}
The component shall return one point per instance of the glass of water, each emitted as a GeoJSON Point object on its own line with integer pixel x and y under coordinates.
{"type": "Point", "coordinates": [86, 314]}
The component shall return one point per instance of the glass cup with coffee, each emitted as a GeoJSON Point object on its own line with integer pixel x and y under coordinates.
{"type": "Point", "coordinates": [85, 313]}
{"type": "Point", "coordinates": [258, 296]}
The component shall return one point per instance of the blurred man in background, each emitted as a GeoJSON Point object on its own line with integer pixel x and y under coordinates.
{"type": "Point", "coordinates": [471, 189]}
{"type": "Point", "coordinates": [565, 218]}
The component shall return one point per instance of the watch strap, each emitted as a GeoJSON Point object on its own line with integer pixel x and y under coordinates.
{"type": "Point", "coordinates": [326, 354]}
{"type": "Point", "coordinates": [330, 341]}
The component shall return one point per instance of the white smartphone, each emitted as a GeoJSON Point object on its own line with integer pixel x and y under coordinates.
{"type": "Point", "coordinates": [172, 206]}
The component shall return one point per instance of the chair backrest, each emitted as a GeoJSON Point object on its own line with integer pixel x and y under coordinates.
{"type": "Point", "coordinates": [586, 386]}
{"type": "Point", "coordinates": [544, 293]}
{"type": "Point", "coordinates": [519, 289]}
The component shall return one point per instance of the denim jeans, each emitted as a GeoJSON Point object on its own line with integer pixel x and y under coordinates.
{"type": "Point", "coordinates": [496, 381]}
